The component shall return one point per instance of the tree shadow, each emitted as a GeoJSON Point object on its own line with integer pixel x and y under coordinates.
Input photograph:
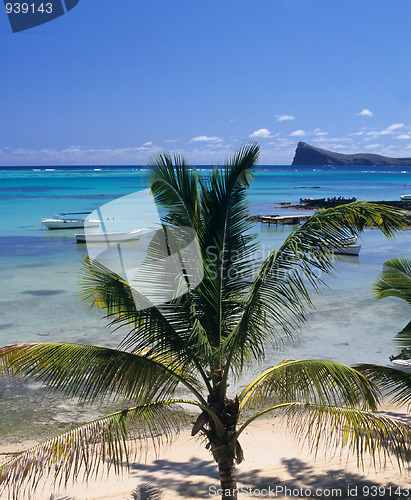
{"type": "Point", "coordinates": [181, 477]}
{"type": "Point", "coordinates": [304, 481]}
{"type": "Point", "coordinates": [146, 492]}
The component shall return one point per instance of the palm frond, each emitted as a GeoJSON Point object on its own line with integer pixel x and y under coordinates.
{"type": "Point", "coordinates": [279, 301]}
{"type": "Point", "coordinates": [166, 328]}
{"type": "Point", "coordinates": [92, 372]}
{"type": "Point", "coordinates": [103, 442]}
{"type": "Point", "coordinates": [395, 280]}
{"type": "Point", "coordinates": [396, 384]}
{"type": "Point", "coordinates": [311, 381]}
{"type": "Point", "coordinates": [175, 186]}
{"type": "Point", "coordinates": [226, 245]}
{"type": "Point", "coordinates": [361, 214]}
{"type": "Point", "coordinates": [403, 338]}
{"type": "Point", "coordinates": [172, 328]}
{"type": "Point", "coordinates": [338, 428]}
{"type": "Point", "coordinates": [360, 432]}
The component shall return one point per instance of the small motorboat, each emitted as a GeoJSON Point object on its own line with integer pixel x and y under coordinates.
{"type": "Point", "coordinates": [109, 237]}
{"type": "Point", "coordinates": [405, 197]}
{"type": "Point", "coordinates": [348, 246]}
{"type": "Point", "coordinates": [405, 363]}
{"type": "Point", "coordinates": [349, 240]}
{"type": "Point", "coordinates": [347, 250]}
{"type": "Point", "coordinates": [312, 200]}
{"type": "Point", "coordinates": [403, 359]}
{"type": "Point", "coordinates": [70, 220]}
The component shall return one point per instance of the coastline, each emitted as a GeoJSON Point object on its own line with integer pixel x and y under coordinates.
{"type": "Point", "coordinates": [273, 459]}
{"type": "Point", "coordinates": [186, 470]}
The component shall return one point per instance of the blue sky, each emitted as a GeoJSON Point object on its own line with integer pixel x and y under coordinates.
{"type": "Point", "coordinates": [112, 82]}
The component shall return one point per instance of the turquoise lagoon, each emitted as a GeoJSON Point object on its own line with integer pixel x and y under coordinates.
{"type": "Point", "coordinates": [39, 276]}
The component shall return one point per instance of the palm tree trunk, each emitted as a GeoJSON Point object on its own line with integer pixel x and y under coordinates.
{"type": "Point", "coordinates": [226, 468]}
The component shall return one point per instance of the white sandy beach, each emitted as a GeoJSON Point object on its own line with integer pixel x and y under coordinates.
{"type": "Point", "coordinates": [273, 459]}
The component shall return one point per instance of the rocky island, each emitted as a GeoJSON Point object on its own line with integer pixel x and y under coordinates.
{"type": "Point", "coordinates": [310, 155]}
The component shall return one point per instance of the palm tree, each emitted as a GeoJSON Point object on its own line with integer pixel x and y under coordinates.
{"type": "Point", "coordinates": [202, 340]}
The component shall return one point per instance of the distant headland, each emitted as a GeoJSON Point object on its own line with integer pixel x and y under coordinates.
{"type": "Point", "coordinates": [309, 155]}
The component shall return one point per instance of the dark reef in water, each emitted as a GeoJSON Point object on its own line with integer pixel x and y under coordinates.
{"type": "Point", "coordinates": [309, 155]}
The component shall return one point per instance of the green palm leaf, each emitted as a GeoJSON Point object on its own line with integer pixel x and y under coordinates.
{"type": "Point", "coordinates": [359, 431]}
{"type": "Point", "coordinates": [393, 382]}
{"type": "Point", "coordinates": [395, 280]}
{"type": "Point", "coordinates": [311, 381]}
{"type": "Point", "coordinates": [103, 442]}
{"type": "Point", "coordinates": [339, 427]}
{"type": "Point", "coordinates": [165, 328]}
{"type": "Point", "coordinates": [279, 301]}
{"type": "Point", "coordinates": [175, 186]}
{"type": "Point", "coordinates": [403, 338]}
{"type": "Point", "coordinates": [92, 372]}
{"type": "Point", "coordinates": [227, 248]}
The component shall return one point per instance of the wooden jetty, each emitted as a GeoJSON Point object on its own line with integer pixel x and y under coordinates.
{"type": "Point", "coordinates": [280, 219]}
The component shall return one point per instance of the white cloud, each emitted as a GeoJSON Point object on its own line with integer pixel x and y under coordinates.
{"type": "Point", "coordinates": [262, 133]}
{"type": "Point", "coordinates": [386, 131]}
{"type": "Point", "coordinates": [206, 138]}
{"type": "Point", "coordinates": [171, 140]}
{"type": "Point", "coordinates": [318, 132]}
{"type": "Point", "coordinates": [375, 133]}
{"type": "Point", "coordinates": [365, 112]}
{"type": "Point", "coordinates": [395, 126]}
{"type": "Point", "coordinates": [149, 143]}
{"type": "Point", "coordinates": [298, 133]}
{"type": "Point", "coordinates": [403, 136]}
{"type": "Point", "coordinates": [282, 118]}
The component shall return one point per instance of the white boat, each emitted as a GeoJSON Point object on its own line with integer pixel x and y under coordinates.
{"type": "Point", "coordinates": [347, 250]}
{"type": "Point", "coordinates": [109, 237]}
{"type": "Point", "coordinates": [405, 363]}
{"type": "Point", "coordinates": [68, 220]}
{"type": "Point", "coordinates": [350, 240]}
{"type": "Point", "coordinates": [402, 360]}
{"type": "Point", "coordinates": [348, 246]}
{"type": "Point", "coordinates": [406, 197]}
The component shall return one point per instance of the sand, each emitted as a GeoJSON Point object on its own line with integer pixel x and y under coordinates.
{"type": "Point", "coordinates": [275, 466]}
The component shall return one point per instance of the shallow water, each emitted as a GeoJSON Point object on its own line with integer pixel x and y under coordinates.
{"type": "Point", "coordinates": [39, 275]}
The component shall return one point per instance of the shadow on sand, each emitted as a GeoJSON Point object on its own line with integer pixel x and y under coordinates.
{"type": "Point", "coordinates": [304, 481]}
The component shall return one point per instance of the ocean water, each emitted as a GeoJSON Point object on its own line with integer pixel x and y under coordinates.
{"type": "Point", "coordinates": [39, 276]}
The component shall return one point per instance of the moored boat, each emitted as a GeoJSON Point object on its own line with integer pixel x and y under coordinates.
{"type": "Point", "coordinates": [347, 249]}
{"type": "Point", "coordinates": [114, 237]}
{"type": "Point", "coordinates": [406, 197]}
{"type": "Point", "coordinates": [347, 246]}
{"type": "Point", "coordinates": [402, 360]}
{"type": "Point", "coordinates": [312, 200]}
{"type": "Point", "coordinates": [68, 220]}
{"type": "Point", "coordinates": [405, 363]}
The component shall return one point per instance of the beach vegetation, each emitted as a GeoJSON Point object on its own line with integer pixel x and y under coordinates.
{"type": "Point", "coordinates": [191, 350]}
{"type": "Point", "coordinates": [395, 281]}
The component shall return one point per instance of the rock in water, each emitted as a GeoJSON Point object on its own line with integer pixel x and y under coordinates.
{"type": "Point", "coordinates": [309, 155]}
